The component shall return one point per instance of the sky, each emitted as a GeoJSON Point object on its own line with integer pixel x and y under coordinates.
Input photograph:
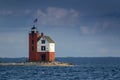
{"type": "Point", "coordinates": [80, 28]}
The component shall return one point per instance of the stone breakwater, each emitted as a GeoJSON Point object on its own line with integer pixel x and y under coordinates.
{"type": "Point", "coordinates": [37, 64]}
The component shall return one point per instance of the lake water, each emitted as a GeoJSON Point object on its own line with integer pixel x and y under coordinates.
{"type": "Point", "coordinates": [85, 69]}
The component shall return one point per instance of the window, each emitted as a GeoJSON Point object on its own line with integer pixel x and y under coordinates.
{"type": "Point", "coordinates": [43, 48]}
{"type": "Point", "coordinates": [32, 35]}
{"type": "Point", "coordinates": [43, 41]}
{"type": "Point", "coordinates": [32, 41]}
{"type": "Point", "coordinates": [32, 48]}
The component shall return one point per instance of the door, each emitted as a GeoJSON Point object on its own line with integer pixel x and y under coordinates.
{"type": "Point", "coordinates": [43, 57]}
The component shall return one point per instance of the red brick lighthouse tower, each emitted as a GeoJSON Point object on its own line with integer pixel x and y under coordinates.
{"type": "Point", "coordinates": [41, 47]}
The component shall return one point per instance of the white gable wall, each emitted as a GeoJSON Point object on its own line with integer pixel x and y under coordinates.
{"type": "Point", "coordinates": [50, 47]}
{"type": "Point", "coordinates": [39, 44]}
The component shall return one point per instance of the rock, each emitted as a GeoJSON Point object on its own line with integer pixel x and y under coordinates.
{"type": "Point", "coordinates": [37, 64]}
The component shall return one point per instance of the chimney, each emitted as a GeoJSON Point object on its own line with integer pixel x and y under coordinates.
{"type": "Point", "coordinates": [42, 34]}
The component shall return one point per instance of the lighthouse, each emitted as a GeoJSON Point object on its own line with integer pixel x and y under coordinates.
{"type": "Point", "coordinates": [41, 47]}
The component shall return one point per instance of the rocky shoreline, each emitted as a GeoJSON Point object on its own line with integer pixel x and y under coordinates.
{"type": "Point", "coordinates": [36, 64]}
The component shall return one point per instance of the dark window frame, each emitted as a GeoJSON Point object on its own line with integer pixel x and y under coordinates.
{"type": "Point", "coordinates": [32, 41]}
{"type": "Point", "coordinates": [43, 48]}
{"type": "Point", "coordinates": [32, 48]}
{"type": "Point", "coordinates": [43, 41]}
{"type": "Point", "coordinates": [32, 35]}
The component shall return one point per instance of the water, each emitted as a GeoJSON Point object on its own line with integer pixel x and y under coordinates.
{"type": "Point", "coordinates": [85, 69]}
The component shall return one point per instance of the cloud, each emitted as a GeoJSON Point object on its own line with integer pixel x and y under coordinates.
{"type": "Point", "coordinates": [27, 11]}
{"type": "Point", "coordinates": [54, 16]}
{"type": "Point", "coordinates": [84, 30]}
{"type": "Point", "coordinates": [88, 29]}
{"type": "Point", "coordinates": [22, 12]}
{"type": "Point", "coordinates": [15, 12]}
{"type": "Point", "coordinates": [105, 25]}
{"type": "Point", "coordinates": [6, 12]}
